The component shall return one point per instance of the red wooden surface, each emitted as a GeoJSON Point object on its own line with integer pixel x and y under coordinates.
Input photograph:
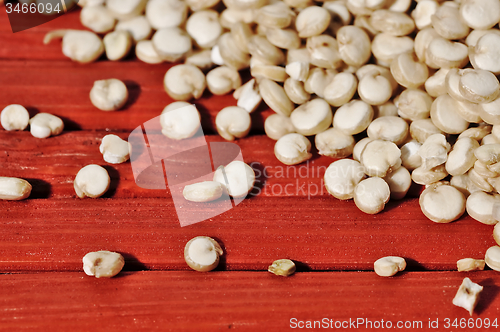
{"type": "Point", "coordinates": [242, 301]}
{"type": "Point", "coordinates": [43, 239]}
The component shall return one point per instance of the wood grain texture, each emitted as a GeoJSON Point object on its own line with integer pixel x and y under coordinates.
{"type": "Point", "coordinates": [288, 214]}
{"type": "Point", "coordinates": [53, 163]}
{"type": "Point", "coordinates": [52, 83]}
{"type": "Point", "coordinates": [62, 88]}
{"type": "Point", "coordinates": [243, 301]}
{"type": "Point", "coordinates": [43, 239]}
{"type": "Point", "coordinates": [320, 234]}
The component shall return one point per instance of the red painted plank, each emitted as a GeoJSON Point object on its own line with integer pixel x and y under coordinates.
{"type": "Point", "coordinates": [28, 44]}
{"type": "Point", "coordinates": [62, 88]}
{"type": "Point", "coordinates": [52, 83]}
{"type": "Point", "coordinates": [53, 163]}
{"type": "Point", "coordinates": [53, 230]}
{"type": "Point", "coordinates": [322, 233]}
{"type": "Point", "coordinates": [246, 301]}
